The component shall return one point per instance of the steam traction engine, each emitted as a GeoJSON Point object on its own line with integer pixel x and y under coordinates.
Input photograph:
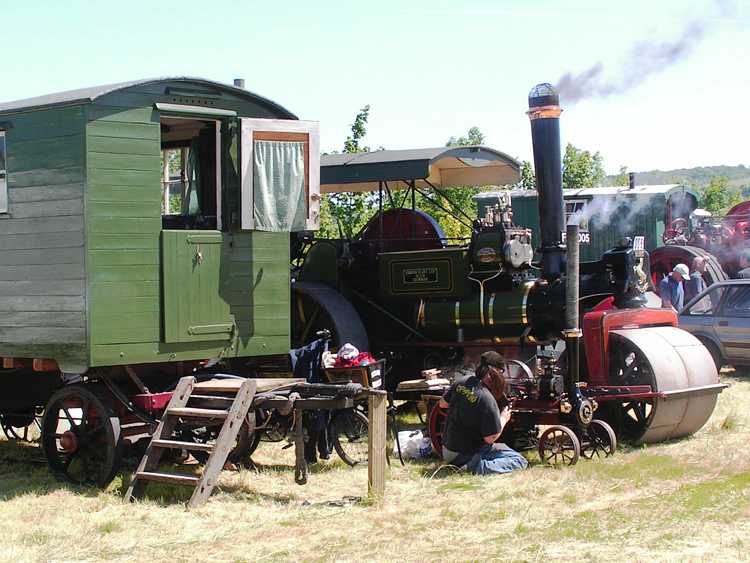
{"type": "Point", "coordinates": [401, 290]}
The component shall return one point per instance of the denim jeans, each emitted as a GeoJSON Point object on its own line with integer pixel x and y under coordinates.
{"type": "Point", "coordinates": [491, 459]}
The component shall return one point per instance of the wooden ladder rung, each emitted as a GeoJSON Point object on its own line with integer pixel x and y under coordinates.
{"type": "Point", "coordinates": [174, 478]}
{"type": "Point", "coordinates": [190, 412]}
{"type": "Point", "coordinates": [178, 445]}
{"type": "Point", "coordinates": [212, 398]}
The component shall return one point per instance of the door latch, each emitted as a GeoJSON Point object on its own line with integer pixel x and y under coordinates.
{"type": "Point", "coordinates": [198, 255]}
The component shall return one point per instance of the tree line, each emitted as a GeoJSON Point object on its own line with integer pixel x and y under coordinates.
{"type": "Point", "coordinates": [345, 214]}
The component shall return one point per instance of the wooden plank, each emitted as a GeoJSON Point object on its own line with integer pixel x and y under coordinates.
{"type": "Point", "coordinates": [41, 256]}
{"type": "Point", "coordinates": [33, 241]}
{"type": "Point", "coordinates": [376, 444]}
{"type": "Point", "coordinates": [48, 208]}
{"type": "Point", "coordinates": [105, 290]}
{"type": "Point", "coordinates": [116, 145]}
{"type": "Point", "coordinates": [45, 193]}
{"type": "Point", "coordinates": [191, 412]}
{"type": "Point", "coordinates": [46, 153]}
{"type": "Point", "coordinates": [263, 385]}
{"type": "Point", "coordinates": [115, 161]}
{"type": "Point", "coordinates": [124, 273]}
{"type": "Point", "coordinates": [46, 177]}
{"type": "Point", "coordinates": [36, 124]}
{"type": "Point", "coordinates": [50, 303]}
{"type": "Point", "coordinates": [121, 257]}
{"type": "Point", "coordinates": [41, 287]}
{"type": "Point", "coordinates": [127, 178]}
{"type": "Point", "coordinates": [35, 272]}
{"type": "Point", "coordinates": [41, 335]}
{"type": "Point", "coordinates": [109, 241]}
{"type": "Point", "coordinates": [124, 130]}
{"type": "Point", "coordinates": [72, 223]}
{"type": "Point", "coordinates": [173, 478]}
{"type": "Point", "coordinates": [179, 445]}
{"type": "Point", "coordinates": [224, 442]}
{"type": "Point", "coordinates": [124, 226]}
{"type": "Point", "coordinates": [43, 319]}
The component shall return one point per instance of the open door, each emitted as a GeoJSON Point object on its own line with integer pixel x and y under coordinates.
{"type": "Point", "coordinates": [280, 175]}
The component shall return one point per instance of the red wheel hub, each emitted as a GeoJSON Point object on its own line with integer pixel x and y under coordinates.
{"type": "Point", "coordinates": [69, 441]}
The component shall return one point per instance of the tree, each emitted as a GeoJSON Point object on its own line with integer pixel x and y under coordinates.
{"type": "Point", "coordinates": [622, 178]}
{"type": "Point", "coordinates": [581, 169]}
{"type": "Point", "coordinates": [473, 137]}
{"type": "Point", "coordinates": [343, 214]}
{"type": "Point", "coordinates": [718, 197]}
{"type": "Point", "coordinates": [528, 179]}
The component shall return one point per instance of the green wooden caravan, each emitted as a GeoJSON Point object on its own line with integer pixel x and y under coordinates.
{"type": "Point", "coordinates": [608, 213]}
{"type": "Point", "coordinates": [148, 222]}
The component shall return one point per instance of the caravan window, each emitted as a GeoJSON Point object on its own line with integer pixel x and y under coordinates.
{"type": "Point", "coordinates": [3, 176]}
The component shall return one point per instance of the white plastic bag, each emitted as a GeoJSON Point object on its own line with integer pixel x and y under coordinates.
{"type": "Point", "coordinates": [414, 445]}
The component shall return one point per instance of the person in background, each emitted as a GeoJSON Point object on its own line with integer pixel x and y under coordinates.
{"type": "Point", "coordinates": [670, 288]}
{"type": "Point", "coordinates": [695, 284]}
{"type": "Point", "coordinates": [744, 272]}
{"type": "Point", "coordinates": [475, 421]}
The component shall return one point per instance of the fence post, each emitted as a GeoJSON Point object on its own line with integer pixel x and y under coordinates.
{"type": "Point", "coordinates": [376, 443]}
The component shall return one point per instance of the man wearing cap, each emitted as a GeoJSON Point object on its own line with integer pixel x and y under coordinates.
{"type": "Point", "coordinates": [744, 261]}
{"type": "Point", "coordinates": [670, 288]}
{"type": "Point", "coordinates": [475, 421]}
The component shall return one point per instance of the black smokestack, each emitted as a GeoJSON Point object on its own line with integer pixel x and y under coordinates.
{"type": "Point", "coordinates": [544, 113]}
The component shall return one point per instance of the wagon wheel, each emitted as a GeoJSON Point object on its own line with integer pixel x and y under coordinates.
{"type": "Point", "coordinates": [664, 258]}
{"type": "Point", "coordinates": [316, 307]}
{"type": "Point", "coordinates": [81, 436]}
{"type": "Point", "coordinates": [24, 427]}
{"type": "Point", "coordinates": [599, 440]}
{"type": "Point", "coordinates": [437, 425]}
{"type": "Point", "coordinates": [244, 447]}
{"type": "Point", "coordinates": [558, 445]}
{"type": "Point", "coordinates": [350, 436]}
{"type": "Point", "coordinates": [628, 366]}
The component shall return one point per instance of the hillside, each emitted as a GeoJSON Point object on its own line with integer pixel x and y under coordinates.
{"type": "Point", "coordinates": [738, 176]}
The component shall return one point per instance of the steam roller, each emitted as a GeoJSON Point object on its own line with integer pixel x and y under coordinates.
{"type": "Point", "coordinates": [588, 361]}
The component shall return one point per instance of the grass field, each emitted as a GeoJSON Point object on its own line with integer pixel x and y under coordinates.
{"type": "Point", "coordinates": [684, 500]}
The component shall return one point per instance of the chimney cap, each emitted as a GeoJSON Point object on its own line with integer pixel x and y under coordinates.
{"type": "Point", "coordinates": [543, 94]}
{"type": "Point", "coordinates": [239, 83]}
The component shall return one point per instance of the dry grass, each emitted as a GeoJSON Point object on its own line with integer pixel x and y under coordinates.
{"type": "Point", "coordinates": [683, 500]}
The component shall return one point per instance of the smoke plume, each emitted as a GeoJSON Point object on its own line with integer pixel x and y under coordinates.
{"type": "Point", "coordinates": [644, 59]}
{"type": "Point", "coordinates": [619, 212]}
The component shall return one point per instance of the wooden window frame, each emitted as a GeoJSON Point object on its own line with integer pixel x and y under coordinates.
{"type": "Point", "coordinates": [253, 129]}
{"type": "Point", "coordinates": [4, 176]}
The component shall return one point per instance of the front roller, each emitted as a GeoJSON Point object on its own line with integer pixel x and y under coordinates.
{"type": "Point", "coordinates": [677, 367]}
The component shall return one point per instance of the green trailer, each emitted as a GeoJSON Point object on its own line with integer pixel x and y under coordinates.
{"type": "Point", "coordinates": [144, 229]}
{"type": "Point", "coordinates": [608, 213]}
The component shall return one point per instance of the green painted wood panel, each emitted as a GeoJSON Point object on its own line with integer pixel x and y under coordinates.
{"type": "Point", "coordinates": [42, 255]}
{"type": "Point", "coordinates": [194, 309]}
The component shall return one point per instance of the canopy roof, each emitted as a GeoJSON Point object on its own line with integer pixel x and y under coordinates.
{"type": "Point", "coordinates": [84, 95]}
{"type": "Point", "coordinates": [438, 167]}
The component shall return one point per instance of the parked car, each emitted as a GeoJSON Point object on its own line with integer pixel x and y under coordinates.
{"type": "Point", "coordinates": [720, 318]}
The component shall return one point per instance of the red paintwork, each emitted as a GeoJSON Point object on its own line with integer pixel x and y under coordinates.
{"type": "Point", "coordinates": [598, 324]}
{"type": "Point", "coordinates": [152, 403]}
{"type": "Point", "coordinates": [402, 229]}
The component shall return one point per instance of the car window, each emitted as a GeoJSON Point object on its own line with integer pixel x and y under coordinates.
{"type": "Point", "coordinates": [707, 304]}
{"type": "Point", "coordinates": [737, 302]}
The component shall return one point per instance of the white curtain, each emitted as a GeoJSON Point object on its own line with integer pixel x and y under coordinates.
{"type": "Point", "coordinates": [279, 186]}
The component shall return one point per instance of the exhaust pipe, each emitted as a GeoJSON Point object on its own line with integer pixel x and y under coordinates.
{"type": "Point", "coordinates": [544, 114]}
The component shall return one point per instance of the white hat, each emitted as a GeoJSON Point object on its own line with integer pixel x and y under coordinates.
{"type": "Point", "coordinates": [682, 269]}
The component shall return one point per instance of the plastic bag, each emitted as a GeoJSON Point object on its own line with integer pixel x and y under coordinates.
{"type": "Point", "coordinates": [414, 445]}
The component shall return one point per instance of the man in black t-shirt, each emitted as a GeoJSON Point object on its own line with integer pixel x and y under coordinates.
{"type": "Point", "coordinates": [475, 421]}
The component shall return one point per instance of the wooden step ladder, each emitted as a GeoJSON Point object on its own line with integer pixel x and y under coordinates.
{"type": "Point", "coordinates": [162, 439]}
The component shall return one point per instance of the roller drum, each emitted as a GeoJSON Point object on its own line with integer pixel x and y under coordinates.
{"type": "Point", "coordinates": [674, 363]}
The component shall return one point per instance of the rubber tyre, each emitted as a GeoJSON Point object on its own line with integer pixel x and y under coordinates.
{"type": "Point", "coordinates": [349, 434]}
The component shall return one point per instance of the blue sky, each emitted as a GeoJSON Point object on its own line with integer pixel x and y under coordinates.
{"type": "Point", "coordinates": [429, 69]}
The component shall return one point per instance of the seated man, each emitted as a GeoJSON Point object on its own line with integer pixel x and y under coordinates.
{"type": "Point", "coordinates": [475, 421]}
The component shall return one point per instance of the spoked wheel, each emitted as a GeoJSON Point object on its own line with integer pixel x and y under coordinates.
{"type": "Point", "coordinates": [558, 445]}
{"type": "Point", "coordinates": [629, 366]}
{"type": "Point", "coordinates": [23, 427]}
{"type": "Point", "coordinates": [246, 443]}
{"type": "Point", "coordinates": [349, 436]}
{"type": "Point", "coordinates": [599, 440]}
{"type": "Point", "coordinates": [81, 436]}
